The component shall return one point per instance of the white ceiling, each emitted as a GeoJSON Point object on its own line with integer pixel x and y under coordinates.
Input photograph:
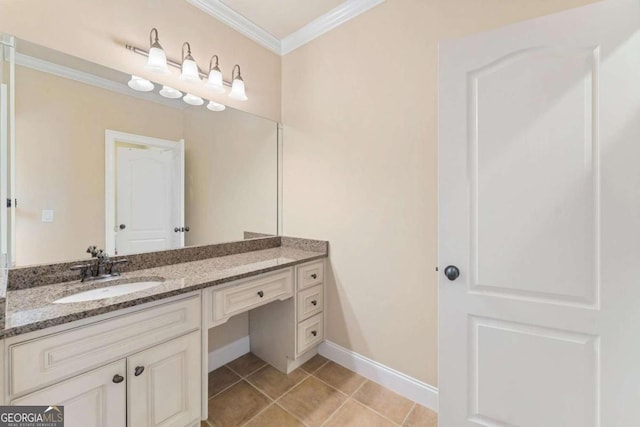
{"type": "Point", "coordinates": [284, 25]}
{"type": "Point", "coordinates": [282, 17]}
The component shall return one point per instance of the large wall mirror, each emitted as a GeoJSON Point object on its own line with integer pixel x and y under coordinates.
{"type": "Point", "coordinates": [95, 162]}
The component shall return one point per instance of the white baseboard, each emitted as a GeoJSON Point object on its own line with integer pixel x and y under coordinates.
{"type": "Point", "coordinates": [404, 385]}
{"type": "Point", "coordinates": [228, 353]}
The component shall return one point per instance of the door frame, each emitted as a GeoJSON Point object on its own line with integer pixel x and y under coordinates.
{"type": "Point", "coordinates": [111, 137]}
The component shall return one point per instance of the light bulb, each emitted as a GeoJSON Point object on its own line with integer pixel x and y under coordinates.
{"type": "Point", "coordinates": [214, 106]}
{"type": "Point", "coordinates": [140, 84]}
{"type": "Point", "coordinates": [171, 93]}
{"type": "Point", "coordinates": [193, 99]}
{"type": "Point", "coordinates": [237, 90]}
{"type": "Point", "coordinates": [214, 82]}
{"type": "Point", "coordinates": [157, 61]}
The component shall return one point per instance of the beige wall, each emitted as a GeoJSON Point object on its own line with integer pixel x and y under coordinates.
{"type": "Point", "coordinates": [359, 106]}
{"type": "Point", "coordinates": [60, 161]}
{"type": "Point", "coordinates": [231, 175]}
{"type": "Point", "coordinates": [97, 30]}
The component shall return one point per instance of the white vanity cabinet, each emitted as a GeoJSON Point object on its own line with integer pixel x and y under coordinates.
{"type": "Point", "coordinates": [142, 368]}
{"type": "Point", "coordinates": [287, 333]}
{"type": "Point", "coordinates": [89, 399]}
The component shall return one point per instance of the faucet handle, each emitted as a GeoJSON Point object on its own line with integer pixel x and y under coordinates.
{"type": "Point", "coordinates": [83, 268]}
{"type": "Point", "coordinates": [93, 250]}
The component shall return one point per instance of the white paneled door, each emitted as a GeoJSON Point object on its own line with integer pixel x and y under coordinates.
{"type": "Point", "coordinates": [539, 198]}
{"type": "Point", "coordinates": [147, 206]}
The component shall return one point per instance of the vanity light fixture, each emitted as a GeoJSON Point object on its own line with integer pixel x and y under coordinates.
{"type": "Point", "coordinates": [140, 84]}
{"type": "Point", "coordinates": [171, 93]}
{"type": "Point", "coordinates": [157, 61]}
{"type": "Point", "coordinates": [214, 82]}
{"type": "Point", "coordinates": [214, 106]}
{"type": "Point", "coordinates": [237, 85]}
{"type": "Point", "coordinates": [193, 99]}
{"type": "Point", "coordinates": [190, 72]}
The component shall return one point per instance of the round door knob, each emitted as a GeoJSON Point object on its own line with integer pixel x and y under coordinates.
{"type": "Point", "coordinates": [314, 333]}
{"type": "Point", "coordinates": [314, 276]}
{"type": "Point", "coordinates": [176, 230]}
{"type": "Point", "coordinates": [118, 378]}
{"type": "Point", "coordinates": [186, 229]}
{"type": "Point", "coordinates": [138, 371]}
{"type": "Point", "coordinates": [260, 294]}
{"type": "Point", "coordinates": [314, 302]}
{"type": "Point", "coordinates": [452, 272]}
{"type": "Point", "coordinates": [123, 226]}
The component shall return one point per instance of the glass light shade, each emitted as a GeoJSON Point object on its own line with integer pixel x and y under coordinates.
{"type": "Point", "coordinates": [140, 84]}
{"type": "Point", "coordinates": [214, 82]}
{"type": "Point", "coordinates": [171, 93]}
{"type": "Point", "coordinates": [157, 61]}
{"type": "Point", "coordinates": [214, 106]}
{"type": "Point", "coordinates": [190, 71]}
{"type": "Point", "coordinates": [237, 90]}
{"type": "Point", "coordinates": [193, 99]}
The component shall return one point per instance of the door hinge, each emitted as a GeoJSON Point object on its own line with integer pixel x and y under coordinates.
{"type": "Point", "coordinates": [15, 203]}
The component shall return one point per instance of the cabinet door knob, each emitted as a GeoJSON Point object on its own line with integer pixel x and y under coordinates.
{"type": "Point", "coordinates": [118, 378]}
{"type": "Point", "coordinates": [138, 371]}
{"type": "Point", "coordinates": [314, 302]}
{"type": "Point", "coordinates": [314, 276]}
{"type": "Point", "coordinates": [314, 333]}
{"type": "Point", "coordinates": [123, 226]}
{"type": "Point", "coordinates": [176, 230]}
{"type": "Point", "coordinates": [260, 294]}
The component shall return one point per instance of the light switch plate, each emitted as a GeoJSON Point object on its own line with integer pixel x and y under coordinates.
{"type": "Point", "coordinates": [47, 215]}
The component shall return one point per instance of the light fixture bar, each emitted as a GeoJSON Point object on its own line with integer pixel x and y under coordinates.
{"type": "Point", "coordinates": [170, 62]}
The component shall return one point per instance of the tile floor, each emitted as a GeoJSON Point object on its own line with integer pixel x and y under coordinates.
{"type": "Point", "coordinates": [248, 392]}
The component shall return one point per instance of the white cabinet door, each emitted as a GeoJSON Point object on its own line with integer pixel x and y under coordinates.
{"type": "Point", "coordinates": [539, 209]}
{"type": "Point", "coordinates": [164, 383]}
{"type": "Point", "coordinates": [95, 399]}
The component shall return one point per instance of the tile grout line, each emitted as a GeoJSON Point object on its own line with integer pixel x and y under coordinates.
{"type": "Point", "coordinates": [408, 413]}
{"type": "Point", "coordinates": [378, 412]}
{"type": "Point", "coordinates": [288, 412]}
{"type": "Point", "coordinates": [343, 403]}
{"type": "Point", "coordinates": [225, 389]}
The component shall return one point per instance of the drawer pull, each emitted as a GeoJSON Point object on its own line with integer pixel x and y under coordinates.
{"type": "Point", "coordinates": [314, 302]}
{"type": "Point", "coordinates": [314, 276]}
{"type": "Point", "coordinates": [260, 294]}
{"type": "Point", "coordinates": [118, 378]}
{"type": "Point", "coordinates": [314, 333]}
{"type": "Point", "coordinates": [138, 371]}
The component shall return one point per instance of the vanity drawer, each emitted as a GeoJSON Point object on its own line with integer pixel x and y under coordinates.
{"type": "Point", "coordinates": [310, 333]}
{"type": "Point", "coordinates": [310, 274]}
{"type": "Point", "coordinates": [42, 361]}
{"type": "Point", "coordinates": [310, 302]}
{"type": "Point", "coordinates": [247, 295]}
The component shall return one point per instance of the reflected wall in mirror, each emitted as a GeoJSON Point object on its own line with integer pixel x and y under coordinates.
{"type": "Point", "coordinates": [99, 163]}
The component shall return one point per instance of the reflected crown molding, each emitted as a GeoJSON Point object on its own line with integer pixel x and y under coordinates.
{"type": "Point", "coordinates": [319, 26]}
{"type": "Point", "coordinates": [90, 79]}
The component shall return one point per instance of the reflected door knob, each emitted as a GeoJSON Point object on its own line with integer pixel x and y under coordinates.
{"type": "Point", "coordinates": [452, 272]}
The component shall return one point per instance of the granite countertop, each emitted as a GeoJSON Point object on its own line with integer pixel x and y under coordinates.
{"type": "Point", "coordinates": [32, 308]}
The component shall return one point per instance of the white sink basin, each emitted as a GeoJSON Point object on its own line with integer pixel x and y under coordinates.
{"type": "Point", "coordinates": [108, 292]}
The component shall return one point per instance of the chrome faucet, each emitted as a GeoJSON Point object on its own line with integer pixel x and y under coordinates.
{"type": "Point", "coordinates": [101, 268]}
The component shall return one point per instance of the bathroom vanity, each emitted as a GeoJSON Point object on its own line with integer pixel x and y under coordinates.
{"type": "Point", "coordinates": [141, 358]}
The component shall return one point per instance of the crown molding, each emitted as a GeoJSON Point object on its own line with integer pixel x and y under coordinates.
{"type": "Point", "coordinates": [238, 22]}
{"type": "Point", "coordinates": [327, 22]}
{"type": "Point", "coordinates": [93, 80]}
